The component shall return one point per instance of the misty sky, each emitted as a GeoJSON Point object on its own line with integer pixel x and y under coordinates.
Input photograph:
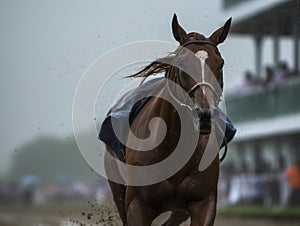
{"type": "Point", "coordinates": [46, 46]}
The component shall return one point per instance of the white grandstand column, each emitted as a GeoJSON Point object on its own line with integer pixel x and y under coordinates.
{"type": "Point", "coordinates": [296, 34]}
{"type": "Point", "coordinates": [258, 53]}
{"type": "Point", "coordinates": [276, 47]}
{"type": "Point", "coordinates": [296, 53]}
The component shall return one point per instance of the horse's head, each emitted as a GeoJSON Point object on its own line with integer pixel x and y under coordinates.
{"type": "Point", "coordinates": [199, 71]}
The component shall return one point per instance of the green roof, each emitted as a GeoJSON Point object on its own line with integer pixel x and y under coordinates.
{"type": "Point", "coordinates": [230, 3]}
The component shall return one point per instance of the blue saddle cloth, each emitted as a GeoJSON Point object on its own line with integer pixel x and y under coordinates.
{"type": "Point", "coordinates": [130, 104]}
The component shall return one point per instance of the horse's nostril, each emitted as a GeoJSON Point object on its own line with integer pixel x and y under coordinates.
{"type": "Point", "coordinates": [205, 122]}
{"type": "Point", "coordinates": [198, 110]}
{"type": "Point", "coordinates": [205, 116]}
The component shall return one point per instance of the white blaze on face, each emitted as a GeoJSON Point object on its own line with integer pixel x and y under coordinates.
{"type": "Point", "coordinates": [202, 55]}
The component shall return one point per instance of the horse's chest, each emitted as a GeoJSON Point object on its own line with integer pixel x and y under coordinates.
{"type": "Point", "coordinates": [198, 185]}
{"type": "Point", "coordinates": [195, 186]}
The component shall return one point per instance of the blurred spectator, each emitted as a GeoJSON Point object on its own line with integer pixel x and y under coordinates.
{"type": "Point", "coordinates": [249, 82]}
{"type": "Point", "coordinates": [29, 184]}
{"type": "Point", "coordinates": [275, 78]}
{"type": "Point", "coordinates": [28, 195]}
{"type": "Point", "coordinates": [282, 72]}
{"type": "Point", "coordinates": [293, 176]}
{"type": "Point", "coordinates": [269, 77]}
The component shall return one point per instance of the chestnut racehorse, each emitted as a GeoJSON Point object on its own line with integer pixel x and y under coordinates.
{"type": "Point", "coordinates": [188, 192]}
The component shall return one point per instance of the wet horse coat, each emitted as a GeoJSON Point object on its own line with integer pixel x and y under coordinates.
{"type": "Point", "coordinates": [188, 192]}
{"type": "Point", "coordinates": [130, 104]}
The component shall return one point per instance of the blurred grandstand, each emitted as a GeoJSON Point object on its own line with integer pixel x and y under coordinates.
{"type": "Point", "coordinates": [267, 111]}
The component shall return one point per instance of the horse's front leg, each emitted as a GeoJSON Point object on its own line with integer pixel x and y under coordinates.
{"type": "Point", "coordinates": [176, 218]}
{"type": "Point", "coordinates": [139, 213]}
{"type": "Point", "coordinates": [203, 213]}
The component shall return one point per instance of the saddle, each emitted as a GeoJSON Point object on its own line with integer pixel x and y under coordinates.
{"type": "Point", "coordinates": [132, 105]}
{"type": "Point", "coordinates": [108, 136]}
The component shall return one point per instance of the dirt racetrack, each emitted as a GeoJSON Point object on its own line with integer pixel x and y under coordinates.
{"type": "Point", "coordinates": [94, 214]}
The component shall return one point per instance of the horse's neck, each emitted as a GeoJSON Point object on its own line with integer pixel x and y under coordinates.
{"type": "Point", "coordinates": [203, 149]}
{"type": "Point", "coordinates": [174, 127]}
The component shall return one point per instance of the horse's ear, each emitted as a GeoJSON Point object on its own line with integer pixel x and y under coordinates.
{"type": "Point", "coordinates": [178, 32]}
{"type": "Point", "coordinates": [220, 35]}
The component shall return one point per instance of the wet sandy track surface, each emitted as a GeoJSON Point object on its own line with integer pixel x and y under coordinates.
{"type": "Point", "coordinates": [94, 214]}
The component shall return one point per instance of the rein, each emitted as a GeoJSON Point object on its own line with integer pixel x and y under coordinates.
{"type": "Point", "coordinates": [225, 150]}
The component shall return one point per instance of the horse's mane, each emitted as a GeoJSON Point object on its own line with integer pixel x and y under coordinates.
{"type": "Point", "coordinates": [158, 66]}
{"type": "Point", "coordinates": [162, 64]}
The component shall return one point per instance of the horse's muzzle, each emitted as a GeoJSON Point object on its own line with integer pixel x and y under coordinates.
{"type": "Point", "coordinates": [205, 122]}
{"type": "Point", "coordinates": [205, 128]}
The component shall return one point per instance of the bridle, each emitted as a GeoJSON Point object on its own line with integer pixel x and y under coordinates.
{"type": "Point", "coordinates": [201, 84]}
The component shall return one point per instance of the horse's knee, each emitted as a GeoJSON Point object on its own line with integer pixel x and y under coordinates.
{"type": "Point", "coordinates": [203, 212]}
{"type": "Point", "coordinates": [176, 218]}
{"type": "Point", "coordinates": [118, 192]}
{"type": "Point", "coordinates": [138, 213]}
